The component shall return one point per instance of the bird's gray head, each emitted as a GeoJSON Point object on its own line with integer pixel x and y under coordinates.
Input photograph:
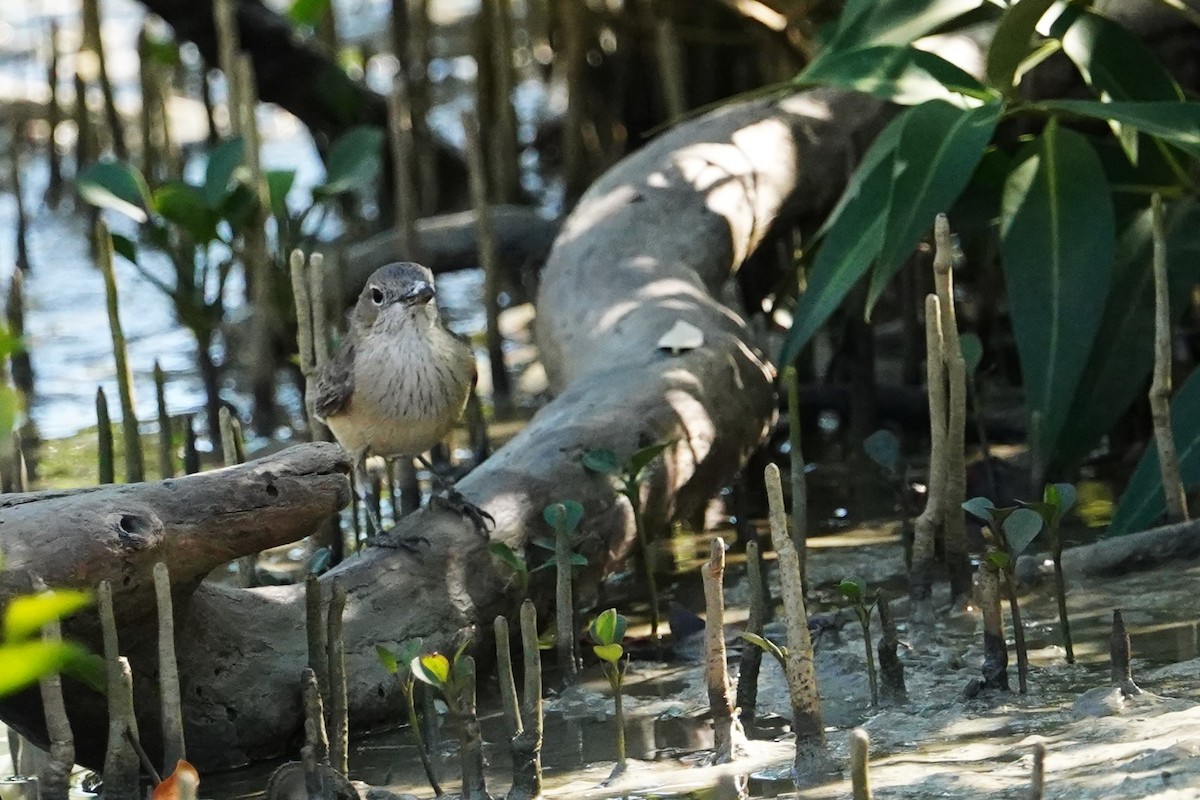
{"type": "Point", "coordinates": [397, 295]}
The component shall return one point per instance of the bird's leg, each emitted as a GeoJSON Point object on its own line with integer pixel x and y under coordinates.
{"type": "Point", "coordinates": [391, 540]}
{"type": "Point", "coordinates": [449, 497]}
{"type": "Point", "coordinates": [362, 483]}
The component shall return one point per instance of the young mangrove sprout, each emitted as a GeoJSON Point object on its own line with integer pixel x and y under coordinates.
{"type": "Point", "coordinates": [399, 663]}
{"type": "Point", "coordinates": [1008, 532]}
{"type": "Point", "coordinates": [606, 632]}
{"type": "Point", "coordinates": [629, 479]}
{"type": "Point", "coordinates": [751, 662]}
{"type": "Point", "coordinates": [860, 764]}
{"type": "Point", "coordinates": [1057, 500]}
{"type": "Point", "coordinates": [527, 744]}
{"type": "Point", "coordinates": [339, 741]}
{"type": "Point", "coordinates": [168, 672]}
{"type": "Point", "coordinates": [564, 518]}
{"type": "Point", "coordinates": [726, 728]}
{"type": "Point", "coordinates": [855, 591]}
{"type": "Point", "coordinates": [454, 678]}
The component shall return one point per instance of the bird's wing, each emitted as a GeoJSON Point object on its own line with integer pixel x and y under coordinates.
{"type": "Point", "coordinates": [335, 383]}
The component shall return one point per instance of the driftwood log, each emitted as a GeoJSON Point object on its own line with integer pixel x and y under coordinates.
{"type": "Point", "coordinates": [650, 244]}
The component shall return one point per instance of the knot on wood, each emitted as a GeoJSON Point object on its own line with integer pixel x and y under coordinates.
{"type": "Point", "coordinates": [135, 529]}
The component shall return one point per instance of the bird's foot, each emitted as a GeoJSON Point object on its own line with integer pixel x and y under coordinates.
{"type": "Point", "coordinates": [391, 541]}
{"type": "Point", "coordinates": [453, 500]}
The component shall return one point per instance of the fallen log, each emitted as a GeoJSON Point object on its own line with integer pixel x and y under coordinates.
{"type": "Point", "coordinates": [648, 246]}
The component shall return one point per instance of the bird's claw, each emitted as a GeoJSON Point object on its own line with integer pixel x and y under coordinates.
{"type": "Point", "coordinates": [393, 542]}
{"type": "Point", "coordinates": [453, 500]}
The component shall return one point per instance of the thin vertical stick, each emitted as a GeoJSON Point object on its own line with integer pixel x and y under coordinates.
{"type": "Point", "coordinates": [55, 777]}
{"type": "Point", "coordinates": [470, 740]}
{"type": "Point", "coordinates": [134, 470]}
{"type": "Point", "coordinates": [315, 626]}
{"type": "Point", "coordinates": [564, 607]}
{"type": "Point", "coordinates": [316, 737]}
{"type": "Point", "coordinates": [489, 260]}
{"type": "Point", "coordinates": [955, 487]}
{"type": "Point", "coordinates": [527, 745]}
{"type": "Point", "coordinates": [891, 669]}
{"type": "Point", "coordinates": [1014, 608]}
{"type": "Point", "coordinates": [800, 672]}
{"type": "Point", "coordinates": [751, 664]}
{"type": "Point", "coordinates": [995, 650]}
{"type": "Point", "coordinates": [1160, 387]}
{"type": "Point", "coordinates": [93, 40]}
{"type": "Point", "coordinates": [53, 119]}
{"type": "Point", "coordinates": [1037, 777]}
{"type": "Point", "coordinates": [234, 452]}
{"type": "Point", "coordinates": [670, 69]}
{"type": "Point", "coordinates": [860, 764]}
{"type": "Point", "coordinates": [152, 156]}
{"type": "Point", "coordinates": [166, 456]}
{"type": "Point", "coordinates": [420, 55]}
{"type": "Point", "coordinates": [121, 762]}
{"type": "Point", "coordinates": [18, 191]}
{"type": "Point", "coordinates": [105, 458]}
{"type": "Point", "coordinates": [799, 480]}
{"type": "Point", "coordinates": [339, 750]}
{"type": "Point", "coordinates": [504, 672]}
{"type": "Point", "coordinates": [85, 134]}
{"type": "Point", "coordinates": [228, 46]}
{"type": "Point", "coordinates": [400, 135]}
{"type": "Point", "coordinates": [168, 673]}
{"type": "Point", "coordinates": [1121, 655]}
{"type": "Point", "coordinates": [503, 139]}
{"type": "Point", "coordinates": [191, 457]}
{"type": "Point", "coordinates": [14, 310]}
{"type": "Point", "coordinates": [726, 729]}
{"type": "Point", "coordinates": [574, 20]}
{"type": "Point", "coordinates": [920, 580]}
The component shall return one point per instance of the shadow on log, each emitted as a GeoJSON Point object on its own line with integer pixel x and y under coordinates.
{"type": "Point", "coordinates": [650, 244]}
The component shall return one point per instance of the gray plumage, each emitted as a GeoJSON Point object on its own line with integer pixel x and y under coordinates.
{"type": "Point", "coordinates": [400, 381]}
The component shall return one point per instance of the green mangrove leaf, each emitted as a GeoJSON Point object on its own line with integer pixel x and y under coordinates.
{"type": "Point", "coordinates": [544, 542]}
{"type": "Point", "coordinates": [1020, 528]}
{"type": "Point", "coordinates": [940, 147]}
{"type": "Point", "coordinates": [184, 205]}
{"type": "Point", "coordinates": [354, 161]}
{"type": "Point", "coordinates": [901, 73]}
{"type": "Point", "coordinates": [432, 668]}
{"type": "Point", "coordinates": [564, 517]}
{"type": "Point", "coordinates": [851, 242]}
{"type": "Point", "coordinates": [642, 458]}
{"type": "Point", "coordinates": [26, 614]}
{"type": "Point", "coordinates": [387, 658]}
{"type": "Point", "coordinates": [609, 652]}
{"type": "Point", "coordinates": [972, 350]}
{"type": "Point", "coordinates": [24, 663]}
{"type": "Point", "coordinates": [89, 669]}
{"type": "Point", "coordinates": [1144, 502]}
{"type": "Point", "coordinates": [1061, 496]}
{"type": "Point", "coordinates": [222, 161]}
{"type": "Point", "coordinates": [608, 628]}
{"type": "Point", "coordinates": [1119, 365]}
{"type": "Point", "coordinates": [853, 590]}
{"type": "Point", "coordinates": [602, 460]}
{"type": "Point", "coordinates": [871, 22]}
{"type": "Point", "coordinates": [124, 247]}
{"type": "Point", "coordinates": [116, 186]}
{"type": "Point", "coordinates": [981, 508]}
{"type": "Point", "coordinates": [279, 183]}
{"type": "Point", "coordinates": [883, 447]}
{"type": "Point", "coordinates": [1012, 42]}
{"type": "Point", "coordinates": [577, 559]}
{"type": "Point", "coordinates": [1057, 280]}
{"type": "Point", "coordinates": [1177, 123]}
{"type": "Point", "coordinates": [508, 556]}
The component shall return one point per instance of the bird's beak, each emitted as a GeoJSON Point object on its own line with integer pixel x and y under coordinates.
{"type": "Point", "coordinates": [420, 294]}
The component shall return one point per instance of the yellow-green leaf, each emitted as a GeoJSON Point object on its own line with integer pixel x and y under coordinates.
{"type": "Point", "coordinates": [26, 662]}
{"type": "Point", "coordinates": [27, 614]}
{"type": "Point", "coordinates": [609, 652]}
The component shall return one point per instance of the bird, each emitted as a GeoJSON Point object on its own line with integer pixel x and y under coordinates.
{"type": "Point", "coordinates": [398, 383]}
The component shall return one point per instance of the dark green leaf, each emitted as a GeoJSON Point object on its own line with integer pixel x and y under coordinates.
{"type": "Point", "coordinates": [183, 205]}
{"type": "Point", "coordinates": [1177, 123]}
{"type": "Point", "coordinates": [1144, 502]}
{"type": "Point", "coordinates": [238, 206]}
{"type": "Point", "coordinates": [1020, 528]}
{"type": "Point", "coordinates": [883, 448]}
{"type": "Point", "coordinates": [972, 350]}
{"type": "Point", "coordinates": [507, 556]}
{"type": "Point", "coordinates": [999, 559]}
{"type": "Point", "coordinates": [124, 247]}
{"type": "Point", "coordinates": [639, 460]}
{"type": "Point", "coordinates": [354, 161]}
{"type": "Point", "coordinates": [893, 21]}
{"type": "Point", "coordinates": [24, 663]}
{"type": "Point", "coordinates": [880, 151]}
{"type": "Point", "coordinates": [980, 508]}
{"type": "Point", "coordinates": [279, 183]}
{"type": "Point", "coordinates": [602, 460]}
{"type": "Point", "coordinates": [307, 12]}
{"type": "Point", "coordinates": [26, 614]}
{"type": "Point", "coordinates": [89, 669]}
{"type": "Point", "coordinates": [1119, 364]}
{"type": "Point", "coordinates": [940, 146]}
{"type": "Point", "coordinates": [577, 560]}
{"type": "Point", "coordinates": [1057, 279]}
{"type": "Point", "coordinates": [847, 250]}
{"type": "Point", "coordinates": [116, 186]}
{"type": "Point", "coordinates": [853, 589]}
{"type": "Point", "coordinates": [902, 74]}
{"type": "Point", "coordinates": [1012, 41]}
{"type": "Point", "coordinates": [222, 161]}
{"type": "Point", "coordinates": [387, 658]}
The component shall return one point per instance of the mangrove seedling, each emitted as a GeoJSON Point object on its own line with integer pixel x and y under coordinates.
{"type": "Point", "coordinates": [454, 678]}
{"type": "Point", "coordinates": [564, 518]}
{"type": "Point", "coordinates": [855, 591]}
{"type": "Point", "coordinates": [1008, 532]}
{"type": "Point", "coordinates": [399, 663]}
{"type": "Point", "coordinates": [606, 632]}
{"type": "Point", "coordinates": [1057, 500]}
{"type": "Point", "coordinates": [629, 478]}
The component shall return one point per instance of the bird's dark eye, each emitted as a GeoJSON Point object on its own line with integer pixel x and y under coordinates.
{"type": "Point", "coordinates": [377, 296]}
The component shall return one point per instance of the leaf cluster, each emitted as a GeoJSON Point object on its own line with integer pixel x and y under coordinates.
{"type": "Point", "coordinates": [1012, 529]}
